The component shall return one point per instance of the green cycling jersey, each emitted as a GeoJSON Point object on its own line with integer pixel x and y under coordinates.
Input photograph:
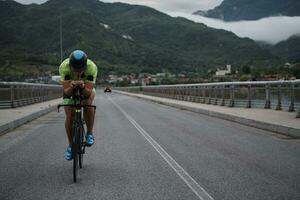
{"type": "Point", "coordinates": [89, 75]}
{"type": "Point", "coordinates": [66, 73]}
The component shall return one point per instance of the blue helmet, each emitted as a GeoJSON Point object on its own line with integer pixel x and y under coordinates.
{"type": "Point", "coordinates": [78, 60]}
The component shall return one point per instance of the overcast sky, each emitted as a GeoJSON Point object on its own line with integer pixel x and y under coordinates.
{"type": "Point", "coordinates": [271, 30]}
{"type": "Point", "coordinates": [187, 6]}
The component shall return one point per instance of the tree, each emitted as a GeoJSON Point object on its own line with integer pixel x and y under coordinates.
{"type": "Point", "coordinates": [246, 69]}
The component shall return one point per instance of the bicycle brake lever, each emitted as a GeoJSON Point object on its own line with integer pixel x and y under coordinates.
{"type": "Point", "coordinates": [58, 106]}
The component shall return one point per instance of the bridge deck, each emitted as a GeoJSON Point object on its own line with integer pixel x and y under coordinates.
{"type": "Point", "coordinates": [281, 122]}
{"type": "Point", "coordinates": [149, 151]}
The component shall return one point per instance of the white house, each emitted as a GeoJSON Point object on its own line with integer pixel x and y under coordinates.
{"type": "Point", "coordinates": [224, 72]}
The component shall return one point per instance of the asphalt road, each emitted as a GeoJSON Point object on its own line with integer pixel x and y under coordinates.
{"type": "Point", "coordinates": [145, 150]}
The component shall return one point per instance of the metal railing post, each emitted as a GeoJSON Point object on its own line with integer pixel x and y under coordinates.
{"type": "Point", "coordinates": [209, 95]}
{"type": "Point", "coordinates": [216, 95]}
{"type": "Point", "coordinates": [12, 96]}
{"type": "Point", "coordinates": [291, 107]}
{"type": "Point", "coordinates": [17, 96]}
{"type": "Point", "coordinates": [28, 99]}
{"type": "Point", "coordinates": [278, 107]}
{"type": "Point", "coordinates": [268, 101]}
{"type": "Point", "coordinates": [180, 93]}
{"type": "Point", "coordinates": [249, 97]}
{"type": "Point", "coordinates": [231, 103]}
{"type": "Point", "coordinates": [188, 94]}
{"type": "Point", "coordinates": [197, 94]}
{"type": "Point", "coordinates": [195, 98]}
{"type": "Point", "coordinates": [203, 89]}
{"type": "Point", "coordinates": [223, 96]}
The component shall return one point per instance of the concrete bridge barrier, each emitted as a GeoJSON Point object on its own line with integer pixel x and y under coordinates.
{"type": "Point", "coordinates": [16, 94]}
{"type": "Point", "coordinates": [277, 95]}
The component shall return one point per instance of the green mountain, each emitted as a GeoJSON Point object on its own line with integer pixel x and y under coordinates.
{"type": "Point", "coordinates": [236, 10]}
{"type": "Point", "coordinates": [119, 37]}
{"type": "Point", "coordinates": [288, 50]}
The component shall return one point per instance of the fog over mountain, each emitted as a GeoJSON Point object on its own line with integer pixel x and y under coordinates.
{"type": "Point", "coordinates": [187, 6]}
{"type": "Point", "coordinates": [271, 30]}
{"type": "Point", "coordinates": [140, 39]}
{"type": "Point", "coordinates": [237, 10]}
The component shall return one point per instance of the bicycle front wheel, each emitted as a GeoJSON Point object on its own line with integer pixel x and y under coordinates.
{"type": "Point", "coordinates": [81, 147]}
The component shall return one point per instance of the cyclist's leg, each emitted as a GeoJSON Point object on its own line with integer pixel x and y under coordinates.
{"type": "Point", "coordinates": [89, 113]}
{"type": "Point", "coordinates": [69, 111]}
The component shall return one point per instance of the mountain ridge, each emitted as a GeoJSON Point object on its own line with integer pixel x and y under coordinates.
{"type": "Point", "coordinates": [236, 10]}
{"type": "Point", "coordinates": [158, 42]}
{"type": "Point", "coordinates": [288, 50]}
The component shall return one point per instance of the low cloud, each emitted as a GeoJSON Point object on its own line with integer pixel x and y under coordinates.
{"type": "Point", "coordinates": [186, 6]}
{"type": "Point", "coordinates": [271, 30]}
{"type": "Point", "coordinates": [31, 1]}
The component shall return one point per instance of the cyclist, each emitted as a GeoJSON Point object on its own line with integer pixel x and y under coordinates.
{"type": "Point", "coordinates": [78, 71]}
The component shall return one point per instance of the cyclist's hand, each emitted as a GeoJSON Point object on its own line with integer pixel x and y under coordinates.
{"type": "Point", "coordinates": [73, 84]}
{"type": "Point", "coordinates": [80, 84]}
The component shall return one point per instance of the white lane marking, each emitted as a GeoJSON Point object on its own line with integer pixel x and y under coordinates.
{"type": "Point", "coordinates": [192, 184]}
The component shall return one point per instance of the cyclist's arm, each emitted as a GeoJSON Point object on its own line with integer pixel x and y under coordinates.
{"type": "Point", "coordinates": [88, 88]}
{"type": "Point", "coordinates": [90, 80]}
{"type": "Point", "coordinates": [65, 78]}
{"type": "Point", "coordinates": [68, 87]}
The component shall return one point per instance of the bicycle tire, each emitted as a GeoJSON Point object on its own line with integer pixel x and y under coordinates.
{"type": "Point", "coordinates": [81, 147]}
{"type": "Point", "coordinates": [75, 150]}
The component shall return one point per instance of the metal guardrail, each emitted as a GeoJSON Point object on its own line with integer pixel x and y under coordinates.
{"type": "Point", "coordinates": [16, 94]}
{"type": "Point", "coordinates": [278, 95]}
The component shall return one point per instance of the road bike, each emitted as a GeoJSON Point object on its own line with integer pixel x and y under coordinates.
{"type": "Point", "coordinates": [78, 132]}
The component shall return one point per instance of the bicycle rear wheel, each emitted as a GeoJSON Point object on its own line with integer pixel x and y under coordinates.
{"type": "Point", "coordinates": [76, 152]}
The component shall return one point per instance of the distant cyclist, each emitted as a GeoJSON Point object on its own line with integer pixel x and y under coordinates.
{"type": "Point", "coordinates": [78, 71]}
